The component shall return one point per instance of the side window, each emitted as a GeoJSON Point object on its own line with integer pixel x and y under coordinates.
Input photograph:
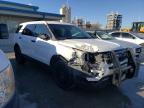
{"type": "Point", "coordinates": [29, 30]}
{"type": "Point", "coordinates": [127, 35]}
{"type": "Point", "coordinates": [4, 31]}
{"type": "Point", "coordinates": [18, 28]}
{"type": "Point", "coordinates": [41, 29]}
{"type": "Point", "coordinates": [115, 34]}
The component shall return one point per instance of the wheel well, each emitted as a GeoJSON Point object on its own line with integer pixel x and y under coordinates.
{"type": "Point", "coordinates": [55, 58]}
{"type": "Point", "coordinates": [16, 46]}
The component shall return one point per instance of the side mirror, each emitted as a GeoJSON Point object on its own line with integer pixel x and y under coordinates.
{"type": "Point", "coordinates": [44, 37]}
{"type": "Point", "coordinates": [133, 37]}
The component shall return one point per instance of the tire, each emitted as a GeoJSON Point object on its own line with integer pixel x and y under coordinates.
{"type": "Point", "coordinates": [62, 74]}
{"type": "Point", "coordinates": [130, 75]}
{"type": "Point", "coordinates": [18, 55]}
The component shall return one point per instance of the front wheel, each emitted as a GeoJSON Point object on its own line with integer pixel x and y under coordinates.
{"type": "Point", "coordinates": [18, 55]}
{"type": "Point", "coordinates": [62, 74]}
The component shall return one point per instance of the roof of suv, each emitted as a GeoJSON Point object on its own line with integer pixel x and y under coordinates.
{"type": "Point", "coordinates": [42, 22]}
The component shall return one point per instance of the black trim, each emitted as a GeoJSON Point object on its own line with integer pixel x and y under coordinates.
{"type": "Point", "coordinates": [33, 60]}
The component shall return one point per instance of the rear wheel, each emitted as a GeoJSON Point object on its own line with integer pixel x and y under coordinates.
{"type": "Point", "coordinates": [62, 74]}
{"type": "Point", "coordinates": [18, 55]}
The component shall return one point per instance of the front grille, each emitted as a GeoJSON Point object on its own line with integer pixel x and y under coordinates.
{"type": "Point", "coordinates": [122, 57]}
{"type": "Point", "coordinates": [138, 50]}
{"type": "Point", "coordinates": [121, 54]}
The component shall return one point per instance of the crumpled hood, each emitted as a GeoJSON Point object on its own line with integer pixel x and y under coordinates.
{"type": "Point", "coordinates": [4, 62]}
{"type": "Point", "coordinates": [125, 44]}
{"type": "Point", "coordinates": [90, 45]}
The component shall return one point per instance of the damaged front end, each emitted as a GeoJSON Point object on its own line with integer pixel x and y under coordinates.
{"type": "Point", "coordinates": [117, 65]}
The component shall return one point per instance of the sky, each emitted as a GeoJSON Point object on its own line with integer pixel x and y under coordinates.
{"type": "Point", "coordinates": [94, 10]}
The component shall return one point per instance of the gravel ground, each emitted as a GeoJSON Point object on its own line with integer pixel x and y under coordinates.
{"type": "Point", "coordinates": [37, 90]}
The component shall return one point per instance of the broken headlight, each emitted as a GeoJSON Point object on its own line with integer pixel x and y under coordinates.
{"type": "Point", "coordinates": [7, 86]}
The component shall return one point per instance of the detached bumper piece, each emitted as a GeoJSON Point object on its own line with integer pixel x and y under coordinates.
{"type": "Point", "coordinates": [84, 80]}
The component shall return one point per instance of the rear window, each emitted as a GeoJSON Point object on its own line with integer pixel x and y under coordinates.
{"type": "Point", "coordinates": [18, 28]}
{"type": "Point", "coordinates": [29, 30]}
{"type": "Point", "coordinates": [4, 31]}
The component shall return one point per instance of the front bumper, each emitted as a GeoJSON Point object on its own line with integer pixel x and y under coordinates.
{"type": "Point", "coordinates": [13, 102]}
{"type": "Point", "coordinates": [118, 73]}
{"type": "Point", "coordinates": [83, 79]}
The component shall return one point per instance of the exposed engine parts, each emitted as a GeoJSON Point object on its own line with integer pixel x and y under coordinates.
{"type": "Point", "coordinates": [96, 62]}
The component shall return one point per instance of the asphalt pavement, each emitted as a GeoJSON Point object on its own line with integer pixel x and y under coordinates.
{"type": "Point", "coordinates": [37, 90]}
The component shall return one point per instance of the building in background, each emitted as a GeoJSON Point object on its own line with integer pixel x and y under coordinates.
{"type": "Point", "coordinates": [66, 11]}
{"type": "Point", "coordinates": [114, 21]}
{"type": "Point", "coordinates": [86, 25]}
{"type": "Point", "coordinates": [11, 14]}
{"type": "Point", "coordinates": [79, 22]}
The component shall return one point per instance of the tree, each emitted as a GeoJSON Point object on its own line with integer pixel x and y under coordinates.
{"type": "Point", "coordinates": [95, 26]}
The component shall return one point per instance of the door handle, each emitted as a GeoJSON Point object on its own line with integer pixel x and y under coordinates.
{"type": "Point", "coordinates": [33, 41]}
{"type": "Point", "coordinates": [20, 37]}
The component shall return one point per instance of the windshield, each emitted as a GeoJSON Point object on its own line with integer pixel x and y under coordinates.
{"type": "Point", "coordinates": [61, 31]}
{"type": "Point", "coordinates": [104, 35]}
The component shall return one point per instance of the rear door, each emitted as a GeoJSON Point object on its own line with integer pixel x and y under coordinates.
{"type": "Point", "coordinates": [27, 40]}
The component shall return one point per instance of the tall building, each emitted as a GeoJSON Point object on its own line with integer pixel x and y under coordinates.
{"type": "Point", "coordinates": [114, 21]}
{"type": "Point", "coordinates": [66, 11]}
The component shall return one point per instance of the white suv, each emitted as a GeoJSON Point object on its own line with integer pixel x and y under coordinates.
{"type": "Point", "coordinates": [75, 56]}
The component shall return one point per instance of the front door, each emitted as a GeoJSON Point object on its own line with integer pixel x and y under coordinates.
{"type": "Point", "coordinates": [43, 48]}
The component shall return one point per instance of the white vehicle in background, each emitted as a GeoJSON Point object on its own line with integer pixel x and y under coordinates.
{"type": "Point", "coordinates": [129, 37]}
{"type": "Point", "coordinates": [8, 97]}
{"type": "Point", "coordinates": [75, 56]}
{"type": "Point", "coordinates": [137, 49]}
